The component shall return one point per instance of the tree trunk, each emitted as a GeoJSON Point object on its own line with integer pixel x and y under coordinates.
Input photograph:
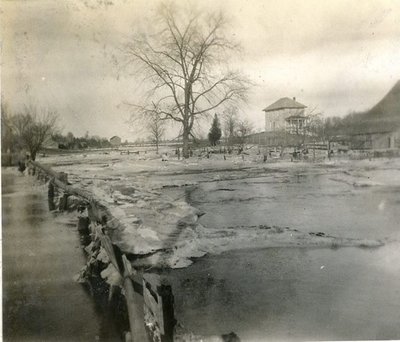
{"type": "Point", "coordinates": [157, 145]}
{"type": "Point", "coordinates": [329, 149]}
{"type": "Point", "coordinates": [282, 150]}
{"type": "Point", "coordinates": [185, 150]}
{"type": "Point", "coordinates": [33, 155]}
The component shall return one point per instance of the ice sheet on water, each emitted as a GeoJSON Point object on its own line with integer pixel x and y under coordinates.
{"type": "Point", "coordinates": [167, 232]}
{"type": "Point", "coordinates": [209, 241]}
{"type": "Point", "coordinates": [111, 275]}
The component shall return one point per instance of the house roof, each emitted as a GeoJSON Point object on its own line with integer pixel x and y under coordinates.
{"type": "Point", "coordinates": [283, 103]}
{"type": "Point", "coordinates": [115, 137]}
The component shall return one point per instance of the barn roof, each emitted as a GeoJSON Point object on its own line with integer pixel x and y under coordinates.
{"type": "Point", "coordinates": [283, 103]}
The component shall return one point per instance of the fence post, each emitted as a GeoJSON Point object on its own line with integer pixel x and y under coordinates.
{"type": "Point", "coordinates": [131, 303]}
{"type": "Point", "coordinates": [63, 177]}
{"type": "Point", "coordinates": [50, 193]}
{"type": "Point", "coordinates": [63, 202]}
{"type": "Point", "coordinates": [167, 299]}
{"type": "Point", "coordinates": [158, 294]}
{"type": "Point", "coordinates": [159, 308]}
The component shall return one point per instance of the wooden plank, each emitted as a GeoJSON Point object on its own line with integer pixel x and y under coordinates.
{"type": "Point", "coordinates": [134, 322]}
{"type": "Point", "coordinates": [107, 245]}
{"type": "Point", "coordinates": [151, 301]}
{"type": "Point", "coordinates": [128, 270]}
{"type": "Point", "coordinates": [167, 307]}
{"type": "Point", "coordinates": [158, 301]}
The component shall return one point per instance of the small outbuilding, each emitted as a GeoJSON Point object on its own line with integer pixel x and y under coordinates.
{"type": "Point", "coordinates": [115, 141]}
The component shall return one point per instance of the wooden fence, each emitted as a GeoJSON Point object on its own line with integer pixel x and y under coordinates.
{"type": "Point", "coordinates": [157, 296]}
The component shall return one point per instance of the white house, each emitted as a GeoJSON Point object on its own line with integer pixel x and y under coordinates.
{"type": "Point", "coordinates": [285, 115]}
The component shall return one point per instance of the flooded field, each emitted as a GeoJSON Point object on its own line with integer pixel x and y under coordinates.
{"type": "Point", "coordinates": [292, 292]}
{"type": "Point", "coordinates": [298, 293]}
{"type": "Point", "coordinates": [41, 256]}
{"type": "Point", "coordinates": [309, 200]}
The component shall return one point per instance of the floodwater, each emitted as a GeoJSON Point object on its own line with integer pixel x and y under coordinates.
{"type": "Point", "coordinates": [308, 200]}
{"type": "Point", "coordinates": [296, 293]}
{"type": "Point", "coordinates": [41, 255]}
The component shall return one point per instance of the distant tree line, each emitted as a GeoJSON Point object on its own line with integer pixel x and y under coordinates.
{"type": "Point", "coordinates": [360, 122]}
{"type": "Point", "coordinates": [26, 130]}
{"type": "Point", "coordinates": [70, 142]}
{"type": "Point", "coordinates": [235, 129]}
{"type": "Point", "coordinates": [339, 129]}
{"type": "Point", "coordinates": [32, 129]}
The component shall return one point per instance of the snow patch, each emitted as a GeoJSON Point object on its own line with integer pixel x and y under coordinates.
{"type": "Point", "coordinates": [111, 275]}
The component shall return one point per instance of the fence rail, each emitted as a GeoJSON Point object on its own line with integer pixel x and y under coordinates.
{"type": "Point", "coordinates": [161, 313]}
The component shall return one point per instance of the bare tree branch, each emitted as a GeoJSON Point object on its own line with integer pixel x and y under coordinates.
{"type": "Point", "coordinates": [183, 62]}
{"type": "Point", "coordinates": [32, 129]}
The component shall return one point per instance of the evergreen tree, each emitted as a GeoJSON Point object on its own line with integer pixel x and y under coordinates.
{"type": "Point", "coordinates": [215, 131]}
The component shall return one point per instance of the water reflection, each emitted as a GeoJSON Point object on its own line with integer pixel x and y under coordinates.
{"type": "Point", "coordinates": [41, 301]}
{"type": "Point", "coordinates": [317, 203]}
{"type": "Point", "coordinates": [303, 294]}
{"type": "Point", "coordinates": [296, 293]}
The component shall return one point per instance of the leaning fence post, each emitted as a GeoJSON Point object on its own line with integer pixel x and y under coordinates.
{"type": "Point", "coordinates": [158, 298]}
{"type": "Point", "coordinates": [158, 308]}
{"type": "Point", "coordinates": [130, 297]}
{"type": "Point", "coordinates": [50, 193]}
{"type": "Point", "coordinates": [167, 299]}
{"type": "Point", "coordinates": [83, 224]}
{"type": "Point", "coordinates": [63, 202]}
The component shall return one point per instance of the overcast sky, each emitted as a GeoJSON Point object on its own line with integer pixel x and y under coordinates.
{"type": "Point", "coordinates": [338, 56]}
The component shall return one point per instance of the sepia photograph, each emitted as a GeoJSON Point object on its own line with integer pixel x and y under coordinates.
{"type": "Point", "coordinates": [200, 171]}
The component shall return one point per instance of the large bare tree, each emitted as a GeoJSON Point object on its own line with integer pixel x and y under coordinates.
{"type": "Point", "coordinates": [185, 61]}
